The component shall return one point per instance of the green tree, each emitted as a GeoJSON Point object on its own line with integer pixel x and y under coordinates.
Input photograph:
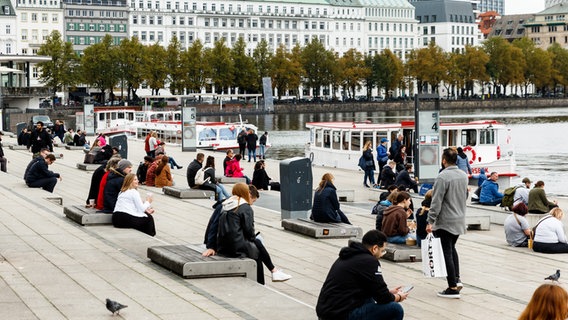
{"type": "Point", "coordinates": [262, 57]}
{"type": "Point", "coordinates": [428, 66]}
{"type": "Point", "coordinates": [501, 69]}
{"type": "Point", "coordinates": [99, 66]}
{"type": "Point", "coordinates": [131, 53]}
{"type": "Point", "coordinates": [472, 66]}
{"type": "Point", "coordinates": [388, 70]}
{"type": "Point", "coordinates": [559, 57]}
{"type": "Point", "coordinates": [195, 67]}
{"type": "Point", "coordinates": [221, 64]}
{"type": "Point", "coordinates": [317, 63]}
{"type": "Point", "coordinates": [370, 80]}
{"type": "Point", "coordinates": [173, 66]}
{"type": "Point", "coordinates": [61, 72]}
{"type": "Point", "coordinates": [155, 68]}
{"type": "Point", "coordinates": [244, 73]}
{"type": "Point", "coordinates": [352, 71]}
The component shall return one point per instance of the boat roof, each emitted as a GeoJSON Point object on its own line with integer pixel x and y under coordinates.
{"type": "Point", "coordinates": [346, 125]}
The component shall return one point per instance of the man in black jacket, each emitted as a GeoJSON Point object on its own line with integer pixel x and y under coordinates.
{"type": "Point", "coordinates": [40, 139]}
{"type": "Point", "coordinates": [355, 288]}
{"type": "Point", "coordinates": [192, 169]}
{"type": "Point", "coordinates": [39, 176]}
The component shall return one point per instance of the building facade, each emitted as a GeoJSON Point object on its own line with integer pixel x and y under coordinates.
{"type": "Point", "coordinates": [511, 27]}
{"type": "Point", "coordinates": [492, 5]}
{"type": "Point", "coordinates": [549, 26]}
{"type": "Point", "coordinates": [450, 24]}
{"type": "Point", "coordinates": [8, 36]}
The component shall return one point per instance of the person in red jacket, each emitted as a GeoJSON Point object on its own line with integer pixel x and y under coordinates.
{"type": "Point", "coordinates": [234, 169]}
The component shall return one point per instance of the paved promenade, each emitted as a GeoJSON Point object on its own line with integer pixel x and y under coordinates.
{"type": "Point", "coordinates": [52, 268]}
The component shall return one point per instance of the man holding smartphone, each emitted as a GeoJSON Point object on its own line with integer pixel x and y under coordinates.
{"type": "Point", "coordinates": [355, 288]}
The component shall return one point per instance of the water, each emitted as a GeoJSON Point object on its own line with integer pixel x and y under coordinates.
{"type": "Point", "coordinates": [541, 152]}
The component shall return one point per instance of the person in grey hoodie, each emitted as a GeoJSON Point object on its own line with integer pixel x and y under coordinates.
{"type": "Point", "coordinates": [446, 217]}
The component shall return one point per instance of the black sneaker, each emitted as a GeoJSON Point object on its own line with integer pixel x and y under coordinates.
{"type": "Point", "coordinates": [459, 284]}
{"type": "Point", "coordinates": [449, 294]}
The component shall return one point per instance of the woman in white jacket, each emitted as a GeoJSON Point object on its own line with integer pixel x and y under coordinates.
{"type": "Point", "coordinates": [549, 234]}
{"type": "Point", "coordinates": [130, 211]}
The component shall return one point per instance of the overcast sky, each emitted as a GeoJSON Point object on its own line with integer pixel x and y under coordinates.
{"type": "Point", "coordinates": [523, 6]}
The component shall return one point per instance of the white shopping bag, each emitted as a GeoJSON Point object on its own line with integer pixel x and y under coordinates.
{"type": "Point", "coordinates": [433, 263]}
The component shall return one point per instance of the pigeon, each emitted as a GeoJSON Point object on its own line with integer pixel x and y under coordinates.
{"type": "Point", "coordinates": [554, 277]}
{"type": "Point", "coordinates": [114, 306]}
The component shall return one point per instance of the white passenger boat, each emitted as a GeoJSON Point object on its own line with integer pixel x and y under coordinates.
{"type": "Point", "coordinates": [209, 135]}
{"type": "Point", "coordinates": [487, 143]}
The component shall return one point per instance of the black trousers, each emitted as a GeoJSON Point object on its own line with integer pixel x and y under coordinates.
{"type": "Point", "coordinates": [448, 241]}
{"type": "Point", "coordinates": [47, 184]}
{"type": "Point", "coordinates": [126, 221]}
{"type": "Point", "coordinates": [263, 257]}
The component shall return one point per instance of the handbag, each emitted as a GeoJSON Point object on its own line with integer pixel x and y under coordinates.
{"type": "Point", "coordinates": [433, 263]}
{"type": "Point", "coordinates": [533, 232]}
{"type": "Point", "coordinates": [530, 239]}
{"type": "Point", "coordinates": [362, 163]}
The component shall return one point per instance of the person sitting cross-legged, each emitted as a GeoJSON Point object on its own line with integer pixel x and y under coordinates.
{"type": "Point", "coordinates": [490, 195]}
{"type": "Point", "coordinates": [394, 219]}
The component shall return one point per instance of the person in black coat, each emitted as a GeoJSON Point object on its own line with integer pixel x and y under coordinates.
{"type": "Point", "coordinates": [403, 179]}
{"type": "Point", "coordinates": [192, 169]}
{"type": "Point", "coordinates": [252, 138]}
{"type": "Point", "coordinates": [242, 141]}
{"type": "Point", "coordinates": [387, 175]}
{"type": "Point", "coordinates": [261, 180]}
{"type": "Point", "coordinates": [369, 166]}
{"type": "Point", "coordinates": [39, 176]}
{"type": "Point", "coordinates": [355, 288]}
{"type": "Point", "coordinates": [114, 183]}
{"type": "Point", "coordinates": [326, 205]}
{"type": "Point", "coordinates": [211, 181]}
{"type": "Point", "coordinates": [40, 139]}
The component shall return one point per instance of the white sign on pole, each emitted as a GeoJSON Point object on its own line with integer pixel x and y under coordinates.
{"type": "Point", "coordinates": [189, 134]}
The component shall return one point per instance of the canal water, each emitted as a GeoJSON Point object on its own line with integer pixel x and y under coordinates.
{"type": "Point", "coordinates": [540, 137]}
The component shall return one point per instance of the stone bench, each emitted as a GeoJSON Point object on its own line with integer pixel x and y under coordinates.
{"type": "Point", "coordinates": [87, 216]}
{"type": "Point", "coordinates": [74, 147]}
{"type": "Point", "coordinates": [402, 252]}
{"type": "Point", "coordinates": [322, 230]}
{"type": "Point", "coordinates": [58, 155]}
{"type": "Point", "coordinates": [497, 215]}
{"type": "Point", "coordinates": [188, 193]}
{"type": "Point", "coordinates": [231, 180]}
{"type": "Point", "coordinates": [16, 147]}
{"type": "Point", "coordinates": [477, 222]}
{"type": "Point", "coordinates": [187, 261]}
{"type": "Point", "coordinates": [88, 166]}
{"type": "Point", "coordinates": [346, 195]}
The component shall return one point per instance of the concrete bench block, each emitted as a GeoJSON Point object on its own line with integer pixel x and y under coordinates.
{"type": "Point", "coordinates": [87, 216]}
{"type": "Point", "coordinates": [88, 166]}
{"type": "Point", "coordinates": [188, 193]}
{"type": "Point", "coordinates": [16, 147]}
{"type": "Point", "coordinates": [231, 180]}
{"type": "Point", "coordinates": [188, 262]}
{"type": "Point", "coordinates": [74, 147]}
{"type": "Point", "coordinates": [322, 230]}
{"type": "Point", "coordinates": [402, 252]}
{"type": "Point", "coordinates": [478, 222]}
{"type": "Point", "coordinates": [374, 194]}
{"type": "Point", "coordinates": [58, 155]}
{"type": "Point", "coordinates": [346, 195]}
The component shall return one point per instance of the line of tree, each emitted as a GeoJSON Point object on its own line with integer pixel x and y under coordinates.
{"type": "Point", "coordinates": [497, 64]}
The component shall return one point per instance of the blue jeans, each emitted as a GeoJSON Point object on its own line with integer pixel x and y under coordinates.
{"type": "Point", "coordinates": [253, 153]}
{"type": "Point", "coordinates": [372, 310]}
{"type": "Point", "coordinates": [261, 149]}
{"type": "Point", "coordinates": [401, 239]}
{"type": "Point", "coordinates": [369, 173]}
{"type": "Point", "coordinates": [221, 191]}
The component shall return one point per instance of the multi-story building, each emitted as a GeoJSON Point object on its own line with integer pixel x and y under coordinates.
{"type": "Point", "coordinates": [8, 38]}
{"type": "Point", "coordinates": [492, 5]}
{"type": "Point", "coordinates": [37, 19]}
{"type": "Point", "coordinates": [449, 24]}
{"type": "Point", "coordinates": [511, 27]}
{"type": "Point", "coordinates": [86, 22]}
{"type": "Point", "coordinates": [551, 3]}
{"type": "Point", "coordinates": [549, 26]}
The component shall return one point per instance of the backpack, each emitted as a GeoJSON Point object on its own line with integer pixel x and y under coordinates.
{"type": "Point", "coordinates": [509, 197]}
{"type": "Point", "coordinates": [200, 177]}
{"type": "Point", "coordinates": [378, 209]}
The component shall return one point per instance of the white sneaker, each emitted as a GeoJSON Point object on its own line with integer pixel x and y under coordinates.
{"type": "Point", "coordinates": [280, 276]}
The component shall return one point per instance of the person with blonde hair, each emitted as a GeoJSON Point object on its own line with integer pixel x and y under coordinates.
{"type": "Point", "coordinates": [236, 236]}
{"type": "Point", "coordinates": [368, 164]}
{"type": "Point", "coordinates": [163, 174]}
{"type": "Point", "coordinates": [549, 236]}
{"type": "Point", "coordinates": [548, 302]}
{"type": "Point", "coordinates": [130, 211]}
{"type": "Point", "coordinates": [325, 207]}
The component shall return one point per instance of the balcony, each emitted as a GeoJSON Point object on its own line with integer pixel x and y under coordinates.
{"type": "Point", "coordinates": [25, 92]}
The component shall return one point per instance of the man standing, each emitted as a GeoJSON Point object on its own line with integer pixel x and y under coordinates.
{"type": "Point", "coordinates": [40, 139]}
{"type": "Point", "coordinates": [446, 217]}
{"type": "Point", "coordinates": [252, 138]}
{"type": "Point", "coordinates": [3, 160]}
{"type": "Point", "coordinates": [395, 147]}
{"type": "Point", "coordinates": [355, 288]}
{"type": "Point", "coordinates": [242, 141]}
{"type": "Point", "coordinates": [39, 175]}
{"type": "Point", "coordinates": [262, 145]}
{"type": "Point", "coordinates": [382, 157]}
{"type": "Point", "coordinates": [192, 169]}
{"type": "Point", "coordinates": [490, 195]}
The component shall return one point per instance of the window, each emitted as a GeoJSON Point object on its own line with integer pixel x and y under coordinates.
{"type": "Point", "coordinates": [34, 17]}
{"type": "Point", "coordinates": [54, 17]}
{"type": "Point", "coordinates": [24, 35]}
{"type": "Point", "coordinates": [24, 16]}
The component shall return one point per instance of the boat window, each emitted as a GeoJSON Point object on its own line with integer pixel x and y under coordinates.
{"type": "Point", "coordinates": [367, 136]}
{"type": "Point", "coordinates": [326, 139]}
{"type": "Point", "coordinates": [356, 141]}
{"type": "Point", "coordinates": [449, 138]}
{"type": "Point", "coordinates": [120, 115]}
{"type": "Point", "coordinates": [319, 137]}
{"type": "Point", "coordinates": [378, 137]}
{"type": "Point", "coordinates": [345, 140]}
{"type": "Point", "coordinates": [207, 134]}
{"type": "Point", "coordinates": [336, 142]}
{"type": "Point", "coordinates": [469, 137]}
{"type": "Point", "coordinates": [101, 116]}
{"type": "Point", "coordinates": [487, 136]}
{"type": "Point", "coordinates": [131, 116]}
{"type": "Point", "coordinates": [227, 134]}
{"type": "Point", "coordinates": [177, 116]}
{"type": "Point", "coordinates": [113, 116]}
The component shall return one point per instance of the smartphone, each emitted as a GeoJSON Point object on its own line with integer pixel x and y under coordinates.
{"type": "Point", "coordinates": [407, 289]}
